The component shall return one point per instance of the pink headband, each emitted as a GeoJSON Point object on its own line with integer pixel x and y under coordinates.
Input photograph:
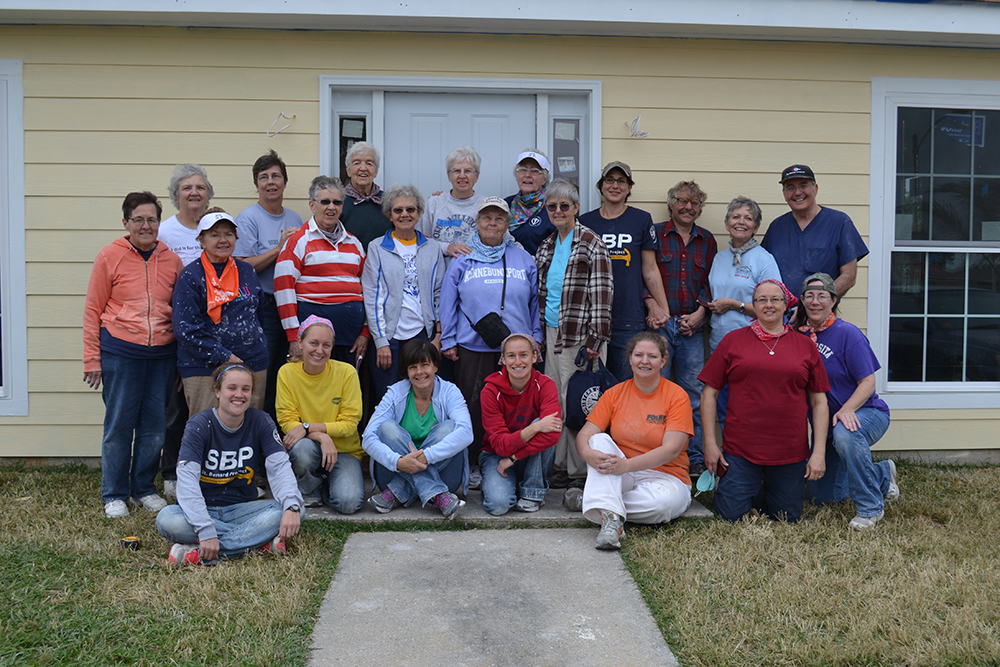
{"type": "Point", "coordinates": [790, 299]}
{"type": "Point", "coordinates": [315, 319]}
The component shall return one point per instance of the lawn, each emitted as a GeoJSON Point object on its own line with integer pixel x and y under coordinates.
{"type": "Point", "coordinates": [922, 589]}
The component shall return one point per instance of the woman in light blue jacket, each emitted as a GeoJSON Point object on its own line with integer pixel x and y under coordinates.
{"type": "Point", "coordinates": [419, 436]}
{"type": "Point", "coordinates": [402, 285]}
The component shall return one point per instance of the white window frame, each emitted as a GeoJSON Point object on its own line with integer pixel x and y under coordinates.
{"type": "Point", "coordinates": [14, 383]}
{"type": "Point", "coordinates": [888, 94]}
{"type": "Point", "coordinates": [329, 135]}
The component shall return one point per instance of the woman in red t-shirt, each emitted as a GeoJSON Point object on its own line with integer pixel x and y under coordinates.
{"type": "Point", "coordinates": [774, 378]}
{"type": "Point", "coordinates": [640, 470]}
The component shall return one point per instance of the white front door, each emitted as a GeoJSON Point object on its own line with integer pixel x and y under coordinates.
{"type": "Point", "coordinates": [422, 128]}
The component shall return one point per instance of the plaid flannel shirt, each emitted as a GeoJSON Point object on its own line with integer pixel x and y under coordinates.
{"type": "Point", "coordinates": [587, 290]}
{"type": "Point", "coordinates": [685, 268]}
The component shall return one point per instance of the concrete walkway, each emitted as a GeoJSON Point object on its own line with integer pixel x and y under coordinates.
{"type": "Point", "coordinates": [484, 597]}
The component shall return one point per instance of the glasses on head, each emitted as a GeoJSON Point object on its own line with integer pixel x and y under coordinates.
{"type": "Point", "coordinates": [562, 206]}
{"type": "Point", "coordinates": [792, 187]}
{"type": "Point", "coordinates": [327, 202]}
{"type": "Point", "coordinates": [534, 171]}
{"type": "Point", "coordinates": [773, 299]}
{"type": "Point", "coordinates": [611, 180]}
{"type": "Point", "coordinates": [141, 221]}
{"type": "Point", "coordinates": [694, 203]}
{"type": "Point", "coordinates": [408, 209]}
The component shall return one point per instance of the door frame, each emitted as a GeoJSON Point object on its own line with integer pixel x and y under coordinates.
{"type": "Point", "coordinates": [329, 136]}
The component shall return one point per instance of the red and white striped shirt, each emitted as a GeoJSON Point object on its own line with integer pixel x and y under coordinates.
{"type": "Point", "coordinates": [311, 268]}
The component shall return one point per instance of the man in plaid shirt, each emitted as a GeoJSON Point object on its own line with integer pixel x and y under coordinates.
{"type": "Point", "coordinates": [685, 259]}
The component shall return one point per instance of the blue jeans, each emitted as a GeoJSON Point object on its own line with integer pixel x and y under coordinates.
{"type": "Point", "coordinates": [135, 420]}
{"type": "Point", "coordinates": [383, 377]}
{"type": "Point", "coordinates": [240, 527]}
{"type": "Point", "coordinates": [277, 347]}
{"type": "Point", "coordinates": [687, 358]}
{"type": "Point", "coordinates": [344, 489]}
{"type": "Point", "coordinates": [500, 493]}
{"type": "Point", "coordinates": [850, 472]}
{"type": "Point", "coordinates": [447, 475]}
{"type": "Point", "coordinates": [617, 361]}
{"type": "Point", "coordinates": [779, 490]}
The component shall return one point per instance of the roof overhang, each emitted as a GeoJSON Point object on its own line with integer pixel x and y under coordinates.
{"type": "Point", "coordinates": [914, 23]}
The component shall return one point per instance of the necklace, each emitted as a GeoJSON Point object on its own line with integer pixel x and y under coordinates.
{"type": "Point", "coordinates": [770, 350]}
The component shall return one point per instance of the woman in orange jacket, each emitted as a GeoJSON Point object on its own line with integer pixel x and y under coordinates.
{"type": "Point", "coordinates": [128, 344]}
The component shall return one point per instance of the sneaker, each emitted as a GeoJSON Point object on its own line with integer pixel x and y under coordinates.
{"type": "Point", "coordinates": [151, 503]}
{"type": "Point", "coordinates": [612, 531]}
{"type": "Point", "coordinates": [696, 470]}
{"type": "Point", "coordinates": [573, 500]}
{"type": "Point", "coordinates": [170, 490]}
{"type": "Point", "coordinates": [183, 554]}
{"type": "Point", "coordinates": [384, 502]}
{"type": "Point", "coordinates": [559, 480]}
{"type": "Point", "coordinates": [312, 501]}
{"type": "Point", "coordinates": [577, 482]}
{"type": "Point", "coordinates": [525, 505]}
{"type": "Point", "coordinates": [893, 492]}
{"type": "Point", "coordinates": [449, 504]}
{"type": "Point", "coordinates": [475, 478]}
{"type": "Point", "coordinates": [115, 509]}
{"type": "Point", "coordinates": [865, 522]}
{"type": "Point", "coordinates": [275, 546]}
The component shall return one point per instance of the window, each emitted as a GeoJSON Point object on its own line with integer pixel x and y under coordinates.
{"type": "Point", "coordinates": [934, 292]}
{"type": "Point", "coordinates": [13, 336]}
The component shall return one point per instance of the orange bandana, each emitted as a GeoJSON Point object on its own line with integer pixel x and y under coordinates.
{"type": "Point", "coordinates": [221, 289]}
{"type": "Point", "coordinates": [812, 331]}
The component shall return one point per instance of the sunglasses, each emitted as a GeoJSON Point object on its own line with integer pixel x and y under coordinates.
{"type": "Point", "coordinates": [562, 206]}
{"type": "Point", "coordinates": [327, 202]}
{"type": "Point", "coordinates": [409, 209]}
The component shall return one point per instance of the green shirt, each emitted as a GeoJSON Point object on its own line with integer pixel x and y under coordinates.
{"type": "Point", "coordinates": [416, 425]}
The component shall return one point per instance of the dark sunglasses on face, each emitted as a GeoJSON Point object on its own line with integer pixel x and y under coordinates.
{"type": "Point", "coordinates": [409, 209]}
{"type": "Point", "coordinates": [327, 202]}
{"type": "Point", "coordinates": [562, 206]}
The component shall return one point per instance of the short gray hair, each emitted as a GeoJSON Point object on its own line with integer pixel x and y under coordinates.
{"type": "Point", "coordinates": [544, 170]}
{"type": "Point", "coordinates": [562, 188]}
{"type": "Point", "coordinates": [396, 191]}
{"type": "Point", "coordinates": [463, 154]}
{"type": "Point", "coordinates": [187, 170]}
{"type": "Point", "coordinates": [361, 147]}
{"type": "Point", "coordinates": [740, 202]}
{"type": "Point", "coordinates": [324, 183]}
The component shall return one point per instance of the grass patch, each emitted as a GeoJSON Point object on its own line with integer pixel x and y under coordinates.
{"type": "Point", "coordinates": [919, 590]}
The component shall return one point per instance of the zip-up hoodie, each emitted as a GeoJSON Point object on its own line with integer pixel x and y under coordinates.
{"type": "Point", "coordinates": [506, 412]}
{"type": "Point", "coordinates": [382, 282]}
{"type": "Point", "coordinates": [129, 297]}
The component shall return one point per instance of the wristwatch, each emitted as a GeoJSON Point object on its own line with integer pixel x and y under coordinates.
{"type": "Point", "coordinates": [513, 459]}
{"type": "Point", "coordinates": [293, 508]}
{"type": "Point", "coordinates": [305, 425]}
{"type": "Point", "coordinates": [743, 308]}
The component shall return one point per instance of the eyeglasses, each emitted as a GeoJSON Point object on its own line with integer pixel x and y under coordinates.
{"type": "Point", "coordinates": [804, 187]}
{"type": "Point", "coordinates": [774, 299]}
{"type": "Point", "coordinates": [462, 172]}
{"type": "Point", "coordinates": [562, 206]}
{"type": "Point", "coordinates": [149, 221]}
{"type": "Point", "coordinates": [327, 202]}
{"type": "Point", "coordinates": [409, 209]}
{"type": "Point", "coordinates": [534, 171]}
{"type": "Point", "coordinates": [267, 177]}
{"type": "Point", "coordinates": [611, 180]}
{"type": "Point", "coordinates": [695, 203]}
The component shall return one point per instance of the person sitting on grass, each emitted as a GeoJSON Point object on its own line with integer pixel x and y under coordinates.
{"type": "Point", "coordinates": [522, 420]}
{"type": "Point", "coordinates": [319, 407]}
{"type": "Point", "coordinates": [224, 448]}
{"type": "Point", "coordinates": [418, 437]}
{"type": "Point", "coordinates": [640, 471]}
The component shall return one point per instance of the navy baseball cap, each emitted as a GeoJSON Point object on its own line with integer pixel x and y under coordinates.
{"type": "Point", "coordinates": [797, 171]}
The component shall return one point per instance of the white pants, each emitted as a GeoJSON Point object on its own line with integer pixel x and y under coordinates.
{"type": "Point", "coordinates": [646, 496]}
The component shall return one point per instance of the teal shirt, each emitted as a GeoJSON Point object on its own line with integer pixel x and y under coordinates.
{"type": "Point", "coordinates": [554, 279]}
{"type": "Point", "coordinates": [416, 425]}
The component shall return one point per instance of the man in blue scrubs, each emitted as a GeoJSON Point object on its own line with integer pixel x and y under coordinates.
{"type": "Point", "coordinates": [812, 238]}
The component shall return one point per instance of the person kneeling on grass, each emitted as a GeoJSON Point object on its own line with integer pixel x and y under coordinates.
{"type": "Point", "coordinates": [217, 514]}
{"type": "Point", "coordinates": [319, 406]}
{"type": "Point", "coordinates": [640, 471]}
{"type": "Point", "coordinates": [418, 437]}
{"type": "Point", "coordinates": [522, 421]}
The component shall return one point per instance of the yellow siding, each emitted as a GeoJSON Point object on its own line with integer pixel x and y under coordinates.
{"type": "Point", "coordinates": [110, 110]}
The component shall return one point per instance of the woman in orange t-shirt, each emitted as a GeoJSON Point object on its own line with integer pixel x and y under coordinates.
{"type": "Point", "coordinates": [640, 470]}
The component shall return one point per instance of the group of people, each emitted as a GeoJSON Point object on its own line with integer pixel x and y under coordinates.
{"type": "Point", "coordinates": [438, 336]}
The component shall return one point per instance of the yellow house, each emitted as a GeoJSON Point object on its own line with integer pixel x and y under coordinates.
{"type": "Point", "coordinates": [896, 106]}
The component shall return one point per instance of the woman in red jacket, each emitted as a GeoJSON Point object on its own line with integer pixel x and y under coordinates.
{"type": "Point", "coordinates": [522, 420]}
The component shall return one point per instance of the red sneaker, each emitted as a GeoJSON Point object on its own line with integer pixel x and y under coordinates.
{"type": "Point", "coordinates": [184, 554]}
{"type": "Point", "coordinates": [275, 546]}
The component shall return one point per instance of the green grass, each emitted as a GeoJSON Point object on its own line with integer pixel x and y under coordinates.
{"type": "Point", "coordinates": [922, 589]}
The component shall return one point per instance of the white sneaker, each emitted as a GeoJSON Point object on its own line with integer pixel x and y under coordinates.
{"type": "Point", "coordinates": [526, 505]}
{"type": "Point", "coordinates": [893, 492]}
{"type": "Point", "coordinates": [170, 490]}
{"type": "Point", "coordinates": [865, 522]}
{"type": "Point", "coordinates": [151, 503]}
{"type": "Point", "coordinates": [475, 478]}
{"type": "Point", "coordinates": [115, 509]}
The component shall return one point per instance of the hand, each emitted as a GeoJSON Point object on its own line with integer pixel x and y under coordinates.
{"type": "Point", "coordinates": [451, 353]}
{"type": "Point", "coordinates": [714, 458]}
{"type": "Point", "coordinates": [690, 324]}
{"type": "Point", "coordinates": [457, 249]}
{"type": "Point", "coordinates": [360, 345]}
{"type": "Point", "coordinates": [383, 357]}
{"type": "Point", "coordinates": [723, 305]}
{"type": "Point", "coordinates": [503, 465]}
{"type": "Point", "coordinates": [609, 464]}
{"type": "Point", "coordinates": [592, 354]}
{"type": "Point", "coordinates": [290, 522]}
{"type": "Point", "coordinates": [233, 359]}
{"type": "Point", "coordinates": [848, 418]}
{"type": "Point", "coordinates": [657, 317]}
{"type": "Point", "coordinates": [328, 450]}
{"type": "Point", "coordinates": [93, 379]}
{"type": "Point", "coordinates": [293, 436]}
{"type": "Point", "coordinates": [208, 549]}
{"type": "Point", "coordinates": [294, 349]}
{"type": "Point", "coordinates": [413, 462]}
{"type": "Point", "coordinates": [815, 468]}
{"type": "Point", "coordinates": [285, 235]}
{"type": "Point", "coordinates": [550, 423]}
{"type": "Point", "coordinates": [436, 341]}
